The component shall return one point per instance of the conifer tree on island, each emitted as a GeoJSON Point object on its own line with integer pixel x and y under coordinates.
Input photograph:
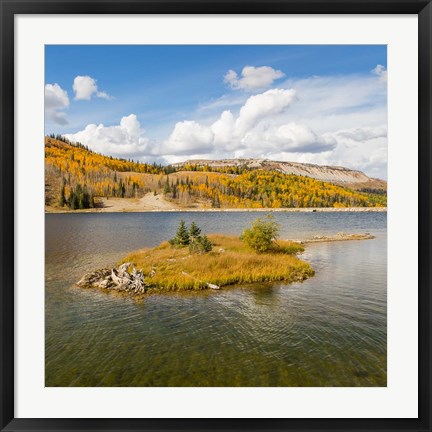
{"type": "Point", "coordinates": [194, 230]}
{"type": "Point", "coordinates": [191, 237]}
{"type": "Point", "coordinates": [205, 244]}
{"type": "Point", "coordinates": [182, 236]}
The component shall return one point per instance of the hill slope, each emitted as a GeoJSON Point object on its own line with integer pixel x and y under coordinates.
{"type": "Point", "coordinates": [332, 174]}
{"type": "Point", "coordinates": [75, 177]}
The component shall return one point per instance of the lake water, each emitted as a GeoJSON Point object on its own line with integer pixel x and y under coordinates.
{"type": "Point", "coordinates": [330, 330]}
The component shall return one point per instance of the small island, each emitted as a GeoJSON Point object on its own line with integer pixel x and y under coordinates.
{"type": "Point", "coordinates": [192, 261]}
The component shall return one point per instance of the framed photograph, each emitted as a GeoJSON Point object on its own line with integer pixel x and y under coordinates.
{"type": "Point", "coordinates": [215, 216]}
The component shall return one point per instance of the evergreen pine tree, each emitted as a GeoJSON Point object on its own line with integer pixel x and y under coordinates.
{"type": "Point", "coordinates": [215, 201]}
{"type": "Point", "coordinates": [167, 188]}
{"type": "Point", "coordinates": [62, 200]}
{"type": "Point", "coordinates": [200, 245]}
{"type": "Point", "coordinates": [206, 244]}
{"type": "Point", "coordinates": [194, 230]}
{"type": "Point", "coordinates": [182, 236]}
{"type": "Point", "coordinates": [73, 201]}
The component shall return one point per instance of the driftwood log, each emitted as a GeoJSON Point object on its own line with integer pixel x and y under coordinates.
{"type": "Point", "coordinates": [120, 279]}
{"type": "Point", "coordinates": [117, 279]}
{"type": "Point", "coordinates": [208, 284]}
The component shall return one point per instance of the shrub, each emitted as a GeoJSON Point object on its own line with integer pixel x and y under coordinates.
{"type": "Point", "coordinates": [262, 234]}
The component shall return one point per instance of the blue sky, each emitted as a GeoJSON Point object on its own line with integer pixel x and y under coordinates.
{"type": "Point", "coordinates": [304, 103]}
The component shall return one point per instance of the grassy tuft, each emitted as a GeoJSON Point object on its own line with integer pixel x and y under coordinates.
{"type": "Point", "coordinates": [230, 262]}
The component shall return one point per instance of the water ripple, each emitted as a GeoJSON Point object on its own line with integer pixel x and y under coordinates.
{"type": "Point", "coordinates": [327, 331]}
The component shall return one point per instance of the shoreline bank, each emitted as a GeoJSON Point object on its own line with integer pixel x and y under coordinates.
{"type": "Point", "coordinates": [52, 210]}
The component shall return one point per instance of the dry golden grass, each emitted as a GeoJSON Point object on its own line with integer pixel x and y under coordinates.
{"type": "Point", "coordinates": [230, 262]}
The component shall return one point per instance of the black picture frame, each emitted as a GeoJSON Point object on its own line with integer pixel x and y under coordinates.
{"type": "Point", "coordinates": [9, 9]}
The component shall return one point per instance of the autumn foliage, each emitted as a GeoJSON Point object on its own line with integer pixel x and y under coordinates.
{"type": "Point", "coordinates": [76, 176]}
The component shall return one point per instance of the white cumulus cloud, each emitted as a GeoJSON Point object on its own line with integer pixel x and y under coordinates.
{"type": "Point", "coordinates": [56, 101]}
{"type": "Point", "coordinates": [85, 87]}
{"type": "Point", "coordinates": [294, 137]}
{"type": "Point", "coordinates": [189, 137]}
{"type": "Point", "coordinates": [223, 129]}
{"type": "Point", "coordinates": [253, 78]}
{"type": "Point", "coordinates": [261, 106]}
{"type": "Point", "coordinates": [255, 132]}
{"type": "Point", "coordinates": [124, 140]}
{"type": "Point", "coordinates": [266, 141]}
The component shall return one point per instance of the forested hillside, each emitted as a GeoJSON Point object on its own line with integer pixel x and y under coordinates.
{"type": "Point", "coordinates": [76, 177]}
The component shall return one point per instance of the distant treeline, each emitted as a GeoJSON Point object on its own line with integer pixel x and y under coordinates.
{"type": "Point", "coordinates": [266, 189]}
